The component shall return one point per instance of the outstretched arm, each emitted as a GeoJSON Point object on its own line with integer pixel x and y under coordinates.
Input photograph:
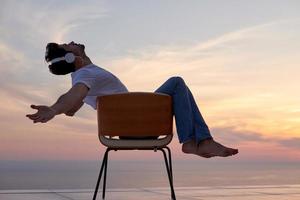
{"type": "Point", "coordinates": [67, 103]}
{"type": "Point", "coordinates": [74, 109]}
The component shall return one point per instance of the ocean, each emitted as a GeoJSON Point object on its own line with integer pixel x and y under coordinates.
{"type": "Point", "coordinates": [24, 175]}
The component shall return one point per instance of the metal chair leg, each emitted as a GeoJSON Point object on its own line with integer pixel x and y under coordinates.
{"type": "Point", "coordinates": [169, 174]}
{"type": "Point", "coordinates": [170, 161]}
{"type": "Point", "coordinates": [100, 173]}
{"type": "Point", "coordinates": [104, 180]}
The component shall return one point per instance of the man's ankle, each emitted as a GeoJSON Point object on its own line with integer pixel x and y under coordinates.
{"type": "Point", "coordinates": [191, 141]}
{"type": "Point", "coordinates": [205, 141]}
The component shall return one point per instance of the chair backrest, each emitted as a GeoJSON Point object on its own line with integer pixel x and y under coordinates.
{"type": "Point", "coordinates": [135, 114]}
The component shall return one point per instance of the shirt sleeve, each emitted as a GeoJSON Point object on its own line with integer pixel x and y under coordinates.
{"type": "Point", "coordinates": [84, 77]}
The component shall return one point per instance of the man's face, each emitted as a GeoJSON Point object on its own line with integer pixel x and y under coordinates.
{"type": "Point", "coordinates": [76, 48]}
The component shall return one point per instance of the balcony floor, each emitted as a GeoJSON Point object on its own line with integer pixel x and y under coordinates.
{"type": "Point", "coordinates": [274, 192]}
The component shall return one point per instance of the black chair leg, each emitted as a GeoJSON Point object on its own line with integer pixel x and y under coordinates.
{"type": "Point", "coordinates": [170, 161]}
{"type": "Point", "coordinates": [100, 173]}
{"type": "Point", "coordinates": [104, 180]}
{"type": "Point", "coordinates": [169, 173]}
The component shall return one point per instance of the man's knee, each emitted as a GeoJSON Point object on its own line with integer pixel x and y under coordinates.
{"type": "Point", "coordinates": [177, 80]}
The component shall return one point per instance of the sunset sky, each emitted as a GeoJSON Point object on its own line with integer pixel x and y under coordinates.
{"type": "Point", "coordinates": [240, 59]}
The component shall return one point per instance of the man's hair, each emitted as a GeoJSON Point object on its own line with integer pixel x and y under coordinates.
{"type": "Point", "coordinates": [53, 50]}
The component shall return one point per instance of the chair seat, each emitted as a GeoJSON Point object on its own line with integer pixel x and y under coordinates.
{"type": "Point", "coordinates": [135, 143]}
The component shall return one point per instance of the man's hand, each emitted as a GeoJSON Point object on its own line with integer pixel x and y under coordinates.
{"type": "Point", "coordinates": [43, 114]}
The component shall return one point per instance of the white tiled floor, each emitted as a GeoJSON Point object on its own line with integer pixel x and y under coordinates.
{"type": "Point", "coordinates": [276, 192]}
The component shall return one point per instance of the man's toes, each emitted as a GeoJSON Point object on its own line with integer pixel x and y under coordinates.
{"type": "Point", "coordinates": [228, 152]}
{"type": "Point", "coordinates": [234, 151]}
{"type": "Point", "coordinates": [231, 152]}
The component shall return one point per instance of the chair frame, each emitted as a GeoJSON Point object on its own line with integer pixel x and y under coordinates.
{"type": "Point", "coordinates": [168, 163]}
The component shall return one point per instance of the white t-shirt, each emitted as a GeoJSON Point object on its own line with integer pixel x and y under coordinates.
{"type": "Point", "coordinates": [99, 81]}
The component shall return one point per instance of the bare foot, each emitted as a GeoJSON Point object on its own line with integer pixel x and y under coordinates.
{"type": "Point", "coordinates": [208, 148]}
{"type": "Point", "coordinates": [191, 147]}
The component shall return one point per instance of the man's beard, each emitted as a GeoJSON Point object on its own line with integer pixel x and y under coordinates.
{"type": "Point", "coordinates": [81, 46]}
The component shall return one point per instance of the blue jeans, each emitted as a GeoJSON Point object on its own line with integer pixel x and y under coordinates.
{"type": "Point", "coordinates": [189, 121]}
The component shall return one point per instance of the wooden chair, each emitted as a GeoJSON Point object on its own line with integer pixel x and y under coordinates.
{"type": "Point", "coordinates": [135, 121]}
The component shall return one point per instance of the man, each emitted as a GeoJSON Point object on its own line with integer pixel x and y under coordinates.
{"type": "Point", "coordinates": [90, 81]}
